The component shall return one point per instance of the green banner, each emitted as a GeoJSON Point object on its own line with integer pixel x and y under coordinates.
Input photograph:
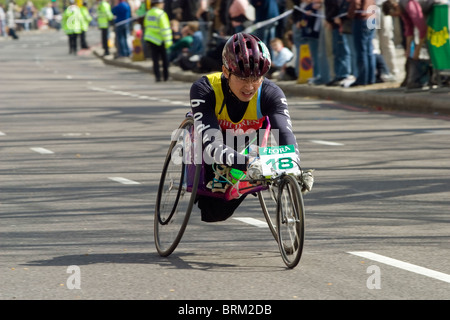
{"type": "Point", "coordinates": [438, 37]}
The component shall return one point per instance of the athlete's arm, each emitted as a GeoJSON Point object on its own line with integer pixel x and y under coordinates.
{"type": "Point", "coordinates": [203, 103]}
{"type": "Point", "coordinates": [274, 105]}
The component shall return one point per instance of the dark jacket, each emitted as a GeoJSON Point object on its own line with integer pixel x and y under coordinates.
{"type": "Point", "coordinates": [332, 10]}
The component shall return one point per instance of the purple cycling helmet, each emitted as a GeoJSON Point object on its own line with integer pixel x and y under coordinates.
{"type": "Point", "coordinates": [244, 55]}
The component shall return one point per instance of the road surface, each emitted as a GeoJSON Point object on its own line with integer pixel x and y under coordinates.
{"type": "Point", "coordinates": [81, 150]}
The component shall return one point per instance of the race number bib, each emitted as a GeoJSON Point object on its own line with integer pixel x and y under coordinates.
{"type": "Point", "coordinates": [276, 160]}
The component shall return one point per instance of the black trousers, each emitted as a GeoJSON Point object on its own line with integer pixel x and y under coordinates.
{"type": "Point", "coordinates": [159, 53]}
{"type": "Point", "coordinates": [83, 43]}
{"type": "Point", "coordinates": [105, 41]}
{"type": "Point", "coordinates": [73, 43]}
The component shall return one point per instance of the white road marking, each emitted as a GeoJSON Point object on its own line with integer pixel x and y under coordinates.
{"type": "Point", "coordinates": [2, 134]}
{"type": "Point", "coordinates": [123, 93]}
{"type": "Point", "coordinates": [76, 134]}
{"type": "Point", "coordinates": [138, 96]}
{"type": "Point", "coordinates": [98, 89]}
{"type": "Point", "coordinates": [327, 143]}
{"type": "Point", "coordinates": [42, 150]}
{"type": "Point", "coordinates": [123, 180]}
{"type": "Point", "coordinates": [403, 265]}
{"type": "Point", "coordinates": [253, 222]}
{"type": "Point", "coordinates": [438, 131]}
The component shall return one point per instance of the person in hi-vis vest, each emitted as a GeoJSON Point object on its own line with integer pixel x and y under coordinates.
{"type": "Point", "coordinates": [158, 35]}
{"type": "Point", "coordinates": [71, 24]}
{"type": "Point", "coordinates": [84, 25]}
{"type": "Point", "coordinates": [104, 16]}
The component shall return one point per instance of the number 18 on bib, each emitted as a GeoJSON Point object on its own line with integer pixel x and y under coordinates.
{"type": "Point", "coordinates": [276, 160]}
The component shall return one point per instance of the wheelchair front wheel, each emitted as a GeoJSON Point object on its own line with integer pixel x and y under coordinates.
{"type": "Point", "coordinates": [268, 200]}
{"type": "Point", "coordinates": [176, 194]}
{"type": "Point", "coordinates": [290, 221]}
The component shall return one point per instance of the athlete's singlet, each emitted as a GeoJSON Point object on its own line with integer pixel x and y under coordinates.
{"type": "Point", "coordinates": [252, 118]}
{"type": "Point", "coordinates": [217, 109]}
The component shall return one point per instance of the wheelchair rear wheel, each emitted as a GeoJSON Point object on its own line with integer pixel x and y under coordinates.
{"type": "Point", "coordinates": [176, 194]}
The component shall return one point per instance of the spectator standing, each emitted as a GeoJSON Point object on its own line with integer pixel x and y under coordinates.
{"type": "Point", "coordinates": [169, 5]}
{"type": "Point", "coordinates": [104, 16]}
{"type": "Point", "coordinates": [264, 10]}
{"type": "Point", "coordinates": [297, 16]}
{"type": "Point", "coordinates": [362, 36]}
{"type": "Point", "coordinates": [311, 25]}
{"type": "Point", "coordinates": [382, 73]}
{"type": "Point", "coordinates": [341, 47]}
{"type": "Point", "coordinates": [48, 14]}
{"type": "Point", "coordinates": [346, 29]}
{"type": "Point", "coordinates": [56, 22]}
{"type": "Point", "coordinates": [158, 35]}
{"type": "Point", "coordinates": [28, 11]}
{"type": "Point", "coordinates": [237, 11]}
{"type": "Point", "coordinates": [85, 21]}
{"type": "Point", "coordinates": [71, 23]}
{"type": "Point", "coordinates": [140, 12]}
{"type": "Point", "coordinates": [281, 26]}
{"type": "Point", "coordinates": [413, 18]}
{"type": "Point", "coordinates": [122, 12]}
{"type": "Point", "coordinates": [218, 17]}
{"type": "Point", "coordinates": [10, 18]}
{"type": "Point", "coordinates": [2, 21]}
{"type": "Point", "coordinates": [385, 36]}
{"type": "Point", "coordinates": [189, 9]}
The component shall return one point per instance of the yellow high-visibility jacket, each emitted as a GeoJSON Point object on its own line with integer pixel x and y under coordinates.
{"type": "Point", "coordinates": [157, 27]}
{"type": "Point", "coordinates": [104, 15]}
{"type": "Point", "coordinates": [71, 20]}
{"type": "Point", "coordinates": [86, 18]}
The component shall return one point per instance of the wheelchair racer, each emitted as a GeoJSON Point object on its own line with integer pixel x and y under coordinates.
{"type": "Point", "coordinates": [237, 100]}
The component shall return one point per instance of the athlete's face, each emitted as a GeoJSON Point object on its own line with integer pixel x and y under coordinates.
{"type": "Point", "coordinates": [243, 88]}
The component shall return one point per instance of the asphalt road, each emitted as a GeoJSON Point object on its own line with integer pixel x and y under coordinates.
{"type": "Point", "coordinates": [81, 150]}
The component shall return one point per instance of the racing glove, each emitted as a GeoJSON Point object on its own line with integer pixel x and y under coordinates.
{"type": "Point", "coordinates": [254, 169]}
{"type": "Point", "coordinates": [307, 179]}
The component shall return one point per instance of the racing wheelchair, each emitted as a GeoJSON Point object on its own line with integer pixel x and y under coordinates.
{"type": "Point", "coordinates": [183, 179]}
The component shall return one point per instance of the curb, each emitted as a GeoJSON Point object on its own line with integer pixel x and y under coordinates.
{"type": "Point", "coordinates": [388, 97]}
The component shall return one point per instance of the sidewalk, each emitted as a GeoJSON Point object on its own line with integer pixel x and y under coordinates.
{"type": "Point", "coordinates": [382, 96]}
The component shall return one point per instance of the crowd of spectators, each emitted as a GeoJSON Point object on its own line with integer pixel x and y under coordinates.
{"type": "Point", "coordinates": [14, 18]}
{"type": "Point", "coordinates": [350, 44]}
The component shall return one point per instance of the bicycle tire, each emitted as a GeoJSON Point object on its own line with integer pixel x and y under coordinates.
{"type": "Point", "coordinates": [169, 226]}
{"type": "Point", "coordinates": [290, 221]}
